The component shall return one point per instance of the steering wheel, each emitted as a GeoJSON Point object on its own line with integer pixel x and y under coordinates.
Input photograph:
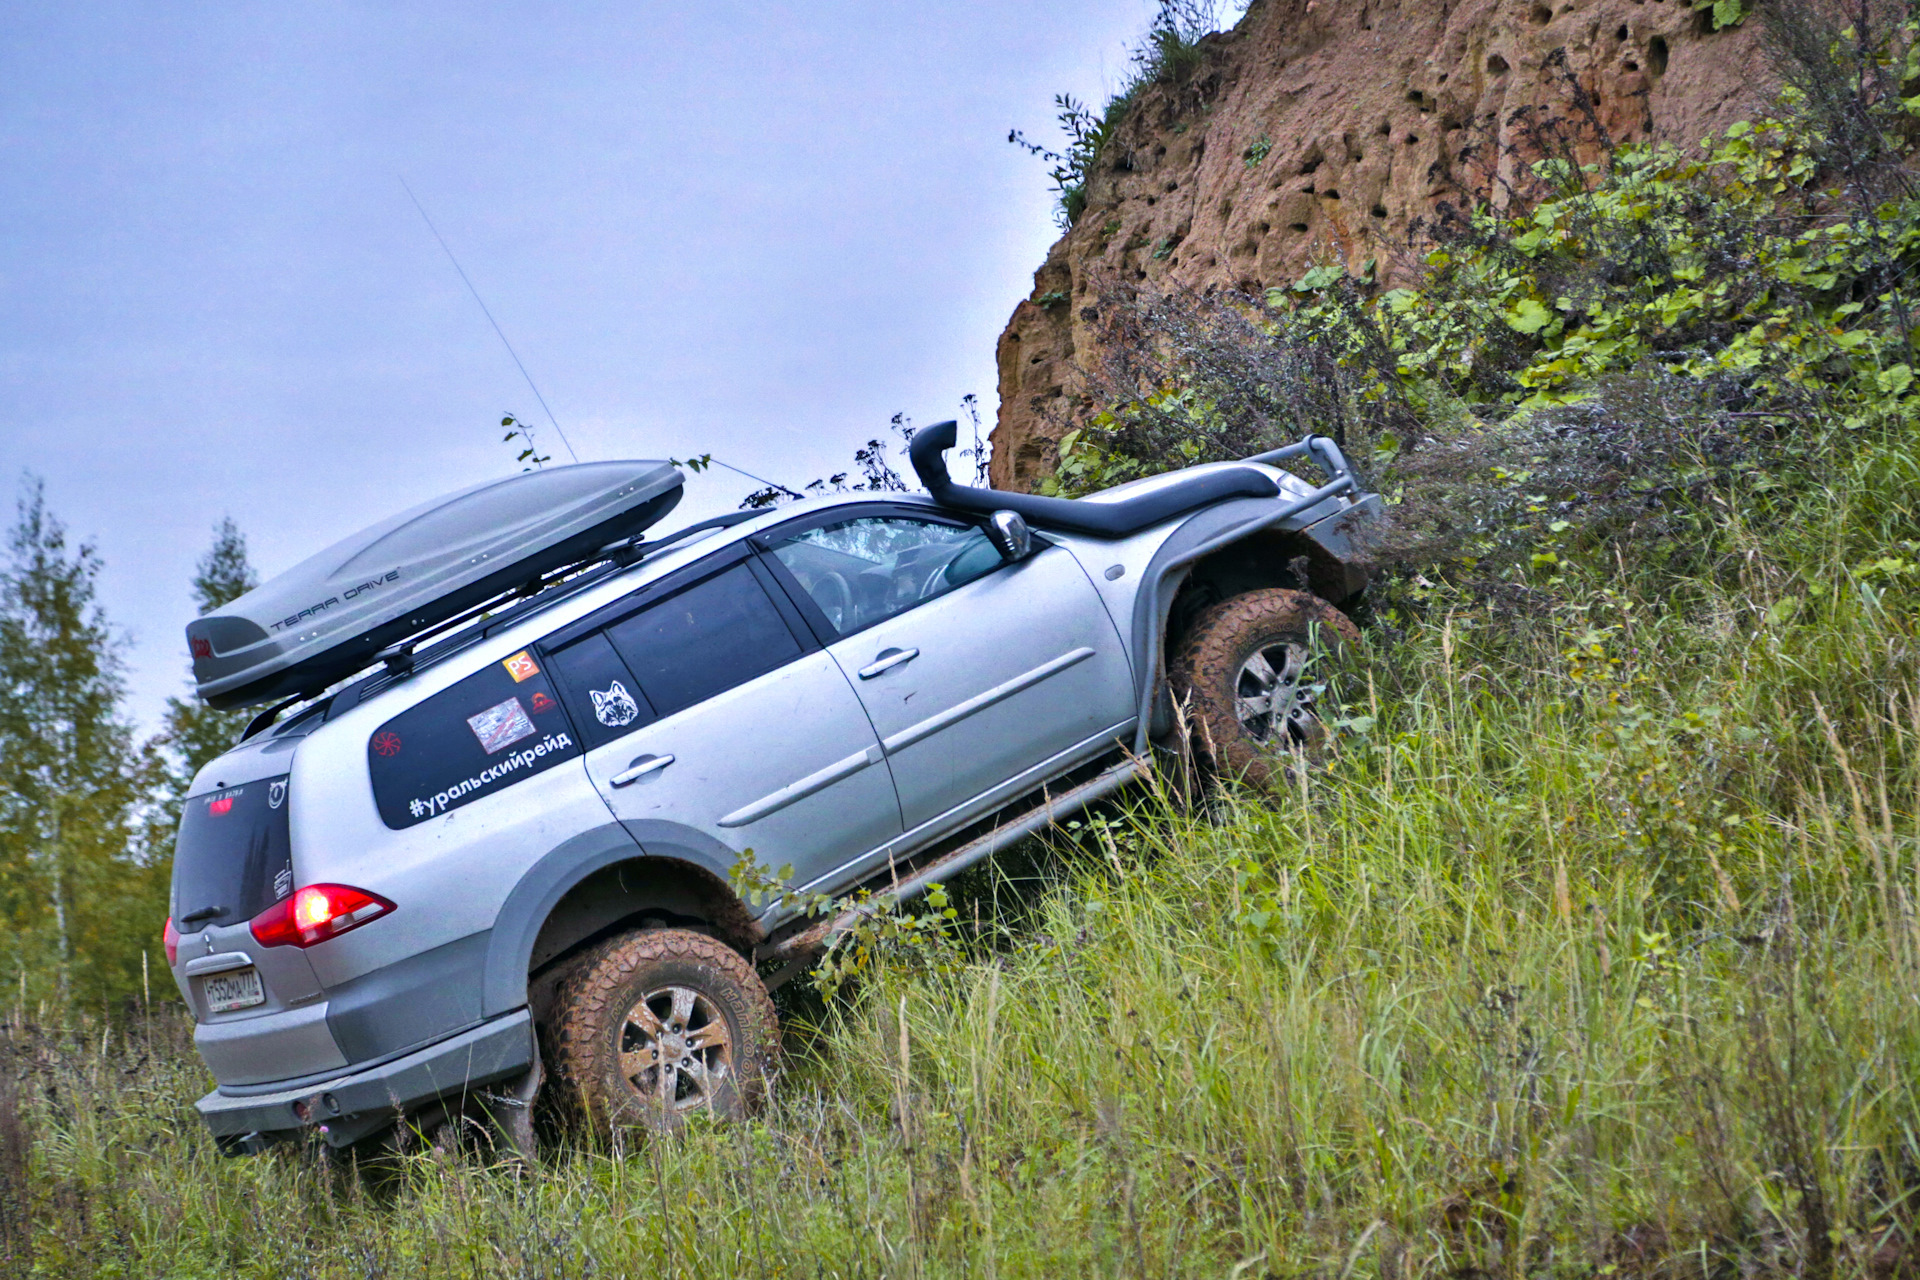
{"type": "Point", "coordinates": [835, 598]}
{"type": "Point", "coordinates": [937, 580]}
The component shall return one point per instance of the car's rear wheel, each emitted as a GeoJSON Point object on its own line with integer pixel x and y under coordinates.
{"type": "Point", "coordinates": [657, 1025]}
{"type": "Point", "coordinates": [1257, 673]}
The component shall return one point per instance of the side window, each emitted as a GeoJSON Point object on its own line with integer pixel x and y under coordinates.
{"type": "Point", "coordinates": [496, 727]}
{"type": "Point", "coordinates": [867, 569]}
{"type": "Point", "coordinates": [605, 699]}
{"type": "Point", "coordinates": [704, 640]}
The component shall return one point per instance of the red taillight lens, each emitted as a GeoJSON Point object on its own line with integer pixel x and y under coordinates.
{"type": "Point", "coordinates": [316, 913]}
{"type": "Point", "coordinates": [171, 936]}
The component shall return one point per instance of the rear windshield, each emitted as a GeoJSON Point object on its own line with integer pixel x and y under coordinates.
{"type": "Point", "coordinates": [233, 858]}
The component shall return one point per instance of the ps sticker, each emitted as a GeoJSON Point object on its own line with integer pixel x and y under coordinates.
{"type": "Point", "coordinates": [276, 795]}
{"type": "Point", "coordinates": [521, 666]}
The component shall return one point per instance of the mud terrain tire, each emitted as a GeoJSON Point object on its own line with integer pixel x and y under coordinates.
{"type": "Point", "coordinates": [655, 1025]}
{"type": "Point", "coordinates": [1217, 670]}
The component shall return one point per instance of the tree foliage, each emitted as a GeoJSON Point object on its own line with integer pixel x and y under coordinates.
{"type": "Point", "coordinates": [74, 892]}
{"type": "Point", "coordinates": [193, 732]}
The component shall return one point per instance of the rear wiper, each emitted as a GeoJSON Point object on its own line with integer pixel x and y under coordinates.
{"type": "Point", "coordinates": [204, 913]}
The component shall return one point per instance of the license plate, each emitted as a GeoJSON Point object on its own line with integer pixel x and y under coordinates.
{"type": "Point", "coordinates": [237, 990]}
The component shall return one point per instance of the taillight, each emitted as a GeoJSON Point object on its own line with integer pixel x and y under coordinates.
{"type": "Point", "coordinates": [316, 913]}
{"type": "Point", "coordinates": [171, 936]}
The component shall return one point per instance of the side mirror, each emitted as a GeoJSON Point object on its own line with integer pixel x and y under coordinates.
{"type": "Point", "coordinates": [1010, 535]}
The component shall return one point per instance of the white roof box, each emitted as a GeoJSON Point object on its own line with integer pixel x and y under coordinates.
{"type": "Point", "coordinates": [328, 616]}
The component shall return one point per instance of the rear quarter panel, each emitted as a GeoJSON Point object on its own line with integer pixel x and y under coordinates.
{"type": "Point", "coordinates": [447, 876]}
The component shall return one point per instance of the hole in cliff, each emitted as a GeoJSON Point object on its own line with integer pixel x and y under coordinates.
{"type": "Point", "coordinates": [1379, 211]}
{"type": "Point", "coordinates": [1297, 226]}
{"type": "Point", "coordinates": [1703, 21]}
{"type": "Point", "coordinates": [1414, 96]}
{"type": "Point", "coordinates": [1541, 15]}
{"type": "Point", "coordinates": [1657, 55]}
{"type": "Point", "coordinates": [1385, 128]}
{"type": "Point", "coordinates": [1497, 65]}
{"type": "Point", "coordinates": [1621, 34]}
{"type": "Point", "coordinates": [1412, 138]}
{"type": "Point", "coordinates": [1631, 65]}
{"type": "Point", "coordinates": [1332, 194]}
{"type": "Point", "coordinates": [1261, 228]}
{"type": "Point", "coordinates": [1312, 163]}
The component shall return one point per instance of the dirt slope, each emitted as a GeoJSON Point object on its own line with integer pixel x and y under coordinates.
{"type": "Point", "coordinates": [1322, 131]}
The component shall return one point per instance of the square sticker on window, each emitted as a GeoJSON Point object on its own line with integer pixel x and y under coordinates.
{"type": "Point", "coordinates": [521, 666]}
{"type": "Point", "coordinates": [500, 727]}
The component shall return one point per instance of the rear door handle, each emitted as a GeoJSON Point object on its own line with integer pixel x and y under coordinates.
{"type": "Point", "coordinates": [887, 660]}
{"type": "Point", "coordinates": [639, 769]}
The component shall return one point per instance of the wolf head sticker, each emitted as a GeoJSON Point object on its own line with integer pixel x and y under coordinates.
{"type": "Point", "coordinates": [614, 708]}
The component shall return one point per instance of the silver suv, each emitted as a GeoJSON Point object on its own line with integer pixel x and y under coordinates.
{"type": "Point", "coordinates": [513, 830]}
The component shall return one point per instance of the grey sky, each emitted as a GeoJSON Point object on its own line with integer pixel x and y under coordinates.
{"type": "Point", "coordinates": [758, 230]}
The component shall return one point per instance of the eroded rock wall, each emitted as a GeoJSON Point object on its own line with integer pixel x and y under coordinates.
{"type": "Point", "coordinates": [1326, 131]}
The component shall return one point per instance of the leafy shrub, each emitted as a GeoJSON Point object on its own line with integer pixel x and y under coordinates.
{"type": "Point", "coordinates": [1589, 362]}
{"type": "Point", "coordinates": [1169, 55]}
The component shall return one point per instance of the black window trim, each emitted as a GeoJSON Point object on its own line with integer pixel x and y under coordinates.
{"type": "Point", "coordinates": [611, 615]}
{"type": "Point", "coordinates": [651, 593]}
{"type": "Point", "coordinates": [823, 631]}
{"type": "Point", "coordinates": [574, 697]}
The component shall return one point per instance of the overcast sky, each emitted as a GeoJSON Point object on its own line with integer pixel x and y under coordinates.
{"type": "Point", "coordinates": [752, 229]}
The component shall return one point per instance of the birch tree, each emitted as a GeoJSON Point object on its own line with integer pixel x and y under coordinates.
{"type": "Point", "coordinates": [70, 778]}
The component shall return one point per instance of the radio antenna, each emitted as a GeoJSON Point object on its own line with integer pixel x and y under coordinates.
{"type": "Point", "coordinates": [490, 320]}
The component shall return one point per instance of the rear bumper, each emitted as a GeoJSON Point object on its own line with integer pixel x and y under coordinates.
{"type": "Point", "coordinates": [345, 1108]}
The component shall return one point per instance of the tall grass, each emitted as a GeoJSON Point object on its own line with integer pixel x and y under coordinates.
{"type": "Point", "coordinates": [1592, 950]}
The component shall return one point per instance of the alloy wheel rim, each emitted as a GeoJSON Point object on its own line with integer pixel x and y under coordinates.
{"type": "Point", "coordinates": [675, 1049]}
{"type": "Point", "coordinates": [1275, 697]}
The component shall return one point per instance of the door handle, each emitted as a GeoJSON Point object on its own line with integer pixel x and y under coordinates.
{"type": "Point", "coordinates": [886, 660]}
{"type": "Point", "coordinates": [639, 769]}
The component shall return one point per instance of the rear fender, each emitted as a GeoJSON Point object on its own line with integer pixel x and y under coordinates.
{"type": "Point", "coordinates": [640, 865]}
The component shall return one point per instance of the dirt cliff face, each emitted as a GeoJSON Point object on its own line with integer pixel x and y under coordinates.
{"type": "Point", "coordinates": [1329, 131]}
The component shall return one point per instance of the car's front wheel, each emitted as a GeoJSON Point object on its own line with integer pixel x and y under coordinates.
{"type": "Point", "coordinates": [656, 1025]}
{"type": "Point", "coordinates": [1257, 674]}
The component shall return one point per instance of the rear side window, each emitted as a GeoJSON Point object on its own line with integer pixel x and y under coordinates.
{"type": "Point", "coordinates": [704, 640]}
{"type": "Point", "coordinates": [497, 727]}
{"type": "Point", "coordinates": [233, 857]}
{"type": "Point", "coordinates": [605, 698]}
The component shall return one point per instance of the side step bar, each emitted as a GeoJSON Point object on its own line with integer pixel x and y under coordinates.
{"type": "Point", "coordinates": [803, 946]}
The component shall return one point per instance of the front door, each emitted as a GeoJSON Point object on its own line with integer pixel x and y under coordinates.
{"type": "Point", "coordinates": [972, 670]}
{"type": "Point", "coordinates": [710, 711]}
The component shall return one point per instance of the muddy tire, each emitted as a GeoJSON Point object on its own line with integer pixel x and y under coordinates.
{"type": "Point", "coordinates": [654, 1026]}
{"type": "Point", "coordinates": [1255, 673]}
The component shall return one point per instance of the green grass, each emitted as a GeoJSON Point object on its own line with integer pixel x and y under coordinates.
{"type": "Point", "coordinates": [1592, 951]}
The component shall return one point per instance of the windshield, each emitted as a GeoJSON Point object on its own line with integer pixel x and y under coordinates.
{"type": "Point", "coordinates": [233, 858]}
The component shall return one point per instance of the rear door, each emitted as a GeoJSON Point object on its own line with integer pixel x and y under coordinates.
{"type": "Point", "coordinates": [707, 706]}
{"type": "Point", "coordinates": [233, 859]}
{"type": "Point", "coordinates": [972, 670]}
